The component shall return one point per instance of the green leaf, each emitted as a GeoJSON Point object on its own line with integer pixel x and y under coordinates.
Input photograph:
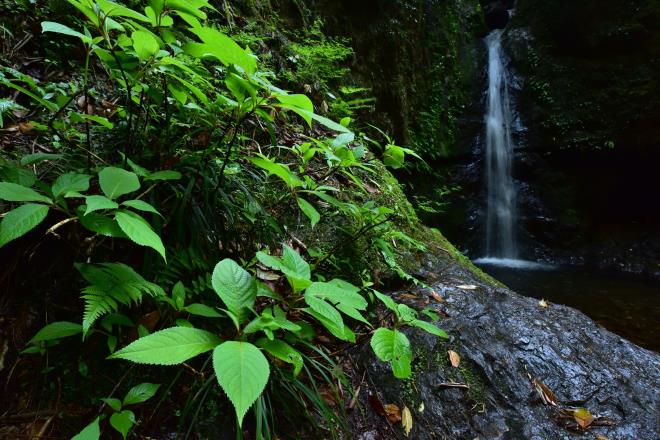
{"type": "Point", "coordinates": [283, 351]}
{"type": "Point", "coordinates": [171, 346]}
{"type": "Point", "coordinates": [324, 121]}
{"type": "Point", "coordinates": [145, 45]}
{"type": "Point", "coordinates": [164, 175]}
{"type": "Point", "coordinates": [342, 332]}
{"type": "Point", "coordinates": [57, 330]}
{"type": "Point", "coordinates": [70, 182]}
{"type": "Point", "coordinates": [49, 26]}
{"type": "Point", "coordinates": [394, 156]}
{"type": "Point", "coordinates": [100, 224]}
{"type": "Point", "coordinates": [20, 221]}
{"type": "Point", "coordinates": [235, 287]}
{"type": "Point", "coordinates": [296, 269]}
{"type": "Point", "coordinates": [309, 210]}
{"type": "Point", "coordinates": [281, 171]}
{"type": "Point", "coordinates": [19, 193]}
{"type": "Point", "coordinates": [299, 104]}
{"type": "Point", "coordinates": [389, 302]}
{"type": "Point", "coordinates": [96, 203]}
{"type": "Point", "coordinates": [116, 182]}
{"type": "Point", "coordinates": [393, 346]}
{"type": "Point", "coordinates": [179, 295]}
{"type": "Point", "coordinates": [242, 372]}
{"type": "Point", "coordinates": [89, 432]}
{"type": "Point", "coordinates": [202, 310]}
{"type": "Point", "coordinates": [115, 404]}
{"type": "Point", "coordinates": [139, 231]}
{"type": "Point", "coordinates": [341, 294]}
{"type": "Point", "coordinates": [222, 47]}
{"type": "Point", "coordinates": [429, 328]}
{"type": "Point", "coordinates": [141, 206]}
{"type": "Point", "coordinates": [30, 159]}
{"type": "Point", "coordinates": [141, 393]}
{"type": "Point", "coordinates": [123, 421]}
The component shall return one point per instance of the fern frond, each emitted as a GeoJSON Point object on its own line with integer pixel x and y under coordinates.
{"type": "Point", "coordinates": [112, 285]}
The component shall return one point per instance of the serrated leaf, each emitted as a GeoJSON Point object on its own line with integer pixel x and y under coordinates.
{"type": "Point", "coordinates": [13, 192]}
{"type": "Point", "coordinates": [235, 287]}
{"type": "Point", "coordinates": [123, 421]}
{"type": "Point", "coordinates": [140, 206]}
{"type": "Point", "coordinates": [89, 432]}
{"type": "Point", "coordinates": [141, 393]}
{"type": "Point", "coordinates": [283, 351]}
{"type": "Point", "coordinates": [342, 332]}
{"type": "Point", "coordinates": [100, 224]}
{"type": "Point", "coordinates": [171, 346]}
{"type": "Point", "coordinates": [115, 182]}
{"type": "Point", "coordinates": [139, 231]}
{"type": "Point", "coordinates": [97, 203]}
{"type": "Point", "coordinates": [429, 328]}
{"type": "Point", "coordinates": [70, 182]}
{"type": "Point", "coordinates": [57, 330]}
{"type": "Point", "coordinates": [393, 346]}
{"type": "Point", "coordinates": [309, 210]}
{"type": "Point", "coordinates": [20, 221]}
{"type": "Point", "coordinates": [242, 372]}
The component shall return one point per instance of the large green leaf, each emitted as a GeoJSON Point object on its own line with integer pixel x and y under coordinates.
{"type": "Point", "coordinates": [141, 393]}
{"type": "Point", "coordinates": [20, 221]}
{"type": "Point", "coordinates": [49, 26]}
{"type": "Point", "coordinates": [70, 182]}
{"type": "Point", "coordinates": [309, 210]}
{"type": "Point", "coordinates": [171, 346]}
{"type": "Point", "coordinates": [429, 327]}
{"type": "Point", "coordinates": [97, 203]}
{"type": "Point", "coordinates": [235, 287]}
{"type": "Point", "coordinates": [89, 432]}
{"type": "Point", "coordinates": [139, 231]}
{"type": "Point", "coordinates": [299, 104]}
{"type": "Point", "coordinates": [115, 182]}
{"type": "Point", "coordinates": [220, 46]}
{"type": "Point", "coordinates": [123, 421]}
{"type": "Point", "coordinates": [283, 351]}
{"type": "Point", "coordinates": [57, 330]}
{"type": "Point", "coordinates": [100, 224]}
{"type": "Point", "coordinates": [393, 346]}
{"type": "Point", "coordinates": [276, 168]}
{"type": "Point", "coordinates": [13, 192]}
{"type": "Point", "coordinates": [145, 44]}
{"type": "Point", "coordinates": [242, 372]}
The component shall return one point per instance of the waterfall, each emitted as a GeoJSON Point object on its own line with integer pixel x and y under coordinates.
{"type": "Point", "coordinates": [501, 209]}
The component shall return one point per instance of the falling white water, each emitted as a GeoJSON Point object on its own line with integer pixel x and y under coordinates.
{"type": "Point", "coordinates": [501, 209]}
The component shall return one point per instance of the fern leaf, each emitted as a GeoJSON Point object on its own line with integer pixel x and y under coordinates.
{"type": "Point", "coordinates": [112, 285]}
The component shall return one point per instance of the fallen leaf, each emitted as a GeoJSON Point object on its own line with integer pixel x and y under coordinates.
{"type": "Point", "coordinates": [25, 127]}
{"type": "Point", "coordinates": [436, 296]}
{"type": "Point", "coordinates": [545, 393]}
{"type": "Point", "coordinates": [408, 295]}
{"type": "Point", "coordinates": [393, 412]}
{"type": "Point", "coordinates": [267, 275]}
{"type": "Point", "coordinates": [543, 303]}
{"type": "Point", "coordinates": [421, 407]}
{"type": "Point", "coordinates": [406, 420]}
{"type": "Point", "coordinates": [583, 417]}
{"type": "Point", "coordinates": [376, 404]}
{"type": "Point", "coordinates": [601, 437]}
{"type": "Point", "coordinates": [454, 358]}
{"type": "Point", "coordinates": [467, 287]}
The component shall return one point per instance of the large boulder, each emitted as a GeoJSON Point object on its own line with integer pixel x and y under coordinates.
{"type": "Point", "coordinates": [505, 340]}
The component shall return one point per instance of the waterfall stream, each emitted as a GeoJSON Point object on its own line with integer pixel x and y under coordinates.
{"type": "Point", "coordinates": [501, 209]}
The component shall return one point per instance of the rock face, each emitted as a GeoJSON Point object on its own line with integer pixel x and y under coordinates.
{"type": "Point", "coordinates": [501, 337]}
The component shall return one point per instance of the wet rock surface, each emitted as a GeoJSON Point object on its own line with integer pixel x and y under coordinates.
{"type": "Point", "coordinates": [501, 338]}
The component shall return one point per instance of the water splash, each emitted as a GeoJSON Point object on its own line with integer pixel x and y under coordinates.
{"type": "Point", "coordinates": [501, 209]}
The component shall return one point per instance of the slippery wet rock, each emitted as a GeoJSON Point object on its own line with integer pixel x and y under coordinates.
{"type": "Point", "coordinates": [504, 339]}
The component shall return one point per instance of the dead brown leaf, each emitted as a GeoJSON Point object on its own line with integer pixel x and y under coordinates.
{"type": "Point", "coordinates": [454, 358]}
{"type": "Point", "coordinates": [406, 420]}
{"type": "Point", "coordinates": [545, 393]}
{"type": "Point", "coordinates": [583, 417]}
{"type": "Point", "coordinates": [408, 295]}
{"type": "Point", "coordinates": [543, 303]}
{"type": "Point", "coordinates": [393, 412]}
{"type": "Point", "coordinates": [436, 296]}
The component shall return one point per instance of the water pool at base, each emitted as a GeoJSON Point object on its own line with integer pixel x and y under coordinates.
{"type": "Point", "coordinates": [626, 305]}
